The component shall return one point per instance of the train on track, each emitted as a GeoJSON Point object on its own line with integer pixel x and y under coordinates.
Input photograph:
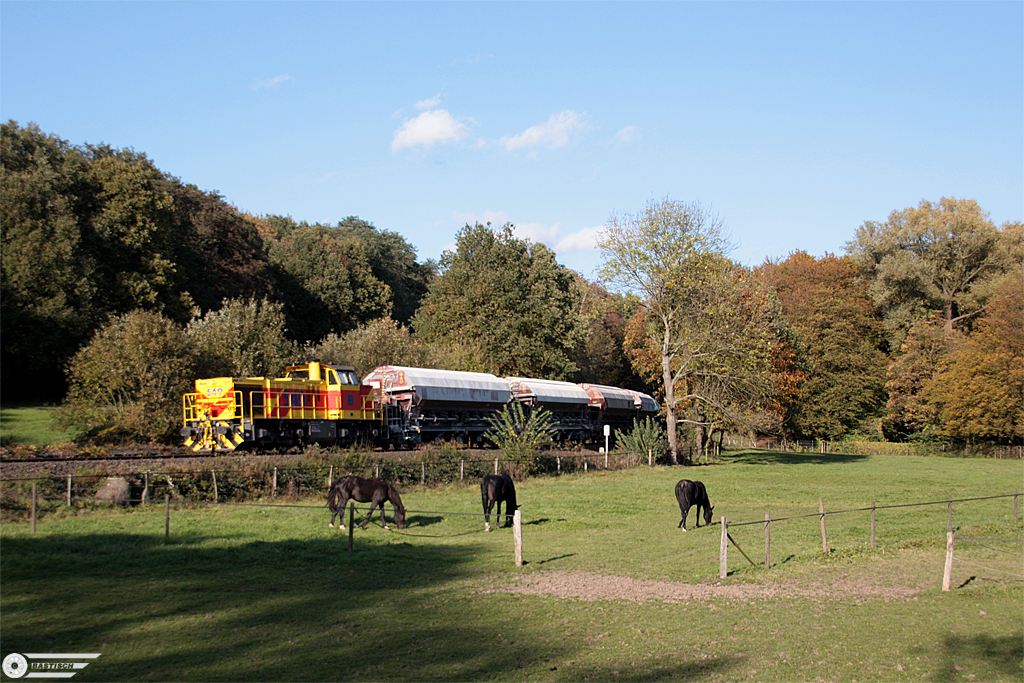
{"type": "Point", "coordinates": [392, 407]}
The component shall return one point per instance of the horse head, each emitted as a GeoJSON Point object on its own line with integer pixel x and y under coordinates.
{"type": "Point", "coordinates": [396, 502]}
{"type": "Point", "coordinates": [707, 514]}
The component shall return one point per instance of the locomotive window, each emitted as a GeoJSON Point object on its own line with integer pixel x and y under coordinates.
{"type": "Point", "coordinates": [349, 378]}
{"type": "Point", "coordinates": [298, 374]}
{"type": "Point", "coordinates": [332, 378]}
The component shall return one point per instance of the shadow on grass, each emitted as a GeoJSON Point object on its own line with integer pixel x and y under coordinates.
{"type": "Point", "coordinates": [1003, 654]}
{"type": "Point", "coordinates": [209, 607]}
{"type": "Point", "coordinates": [765, 457]}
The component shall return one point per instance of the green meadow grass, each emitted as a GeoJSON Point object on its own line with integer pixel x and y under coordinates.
{"type": "Point", "coordinates": [31, 425]}
{"type": "Point", "coordinates": [248, 593]}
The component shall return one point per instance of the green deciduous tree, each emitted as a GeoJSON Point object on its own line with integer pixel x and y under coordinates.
{"type": "Point", "coordinates": [704, 328]}
{"type": "Point", "coordinates": [48, 287]}
{"type": "Point", "coordinates": [371, 345]}
{"type": "Point", "coordinates": [242, 339]}
{"type": "Point", "coordinates": [326, 281]}
{"type": "Point", "coordinates": [510, 300]}
{"type": "Point", "coordinates": [929, 258]}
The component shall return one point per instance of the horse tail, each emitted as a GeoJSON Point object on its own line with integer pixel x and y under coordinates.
{"type": "Point", "coordinates": [334, 497]}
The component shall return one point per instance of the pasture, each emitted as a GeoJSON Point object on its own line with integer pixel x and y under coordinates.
{"type": "Point", "coordinates": [610, 590]}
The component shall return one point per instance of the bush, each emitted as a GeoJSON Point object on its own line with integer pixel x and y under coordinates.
{"type": "Point", "coordinates": [126, 384]}
{"type": "Point", "coordinates": [520, 435]}
{"type": "Point", "coordinates": [646, 435]}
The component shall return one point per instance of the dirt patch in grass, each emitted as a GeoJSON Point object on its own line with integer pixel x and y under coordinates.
{"type": "Point", "coordinates": [579, 585]}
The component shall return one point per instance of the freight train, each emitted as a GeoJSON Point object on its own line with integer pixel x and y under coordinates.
{"type": "Point", "coordinates": [392, 407]}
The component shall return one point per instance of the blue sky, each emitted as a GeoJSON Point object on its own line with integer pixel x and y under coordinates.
{"type": "Point", "coordinates": [794, 122]}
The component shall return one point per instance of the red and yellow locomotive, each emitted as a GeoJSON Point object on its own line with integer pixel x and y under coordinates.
{"type": "Point", "coordinates": [314, 403]}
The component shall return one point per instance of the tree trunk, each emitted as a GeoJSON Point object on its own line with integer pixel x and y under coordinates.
{"type": "Point", "coordinates": [670, 408]}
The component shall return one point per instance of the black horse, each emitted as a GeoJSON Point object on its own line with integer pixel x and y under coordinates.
{"type": "Point", "coordinates": [692, 494]}
{"type": "Point", "coordinates": [373, 491]}
{"type": "Point", "coordinates": [497, 489]}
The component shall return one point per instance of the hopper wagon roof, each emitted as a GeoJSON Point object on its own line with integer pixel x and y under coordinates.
{"type": "Point", "coordinates": [444, 388]}
{"type": "Point", "coordinates": [611, 399]}
{"type": "Point", "coordinates": [646, 402]}
{"type": "Point", "coordinates": [550, 391]}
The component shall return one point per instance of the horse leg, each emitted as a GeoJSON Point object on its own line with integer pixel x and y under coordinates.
{"type": "Point", "coordinates": [698, 506]}
{"type": "Point", "coordinates": [488, 506]}
{"type": "Point", "coordinates": [682, 522]}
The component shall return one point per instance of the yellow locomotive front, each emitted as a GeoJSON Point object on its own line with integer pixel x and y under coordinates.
{"type": "Point", "coordinates": [314, 403]}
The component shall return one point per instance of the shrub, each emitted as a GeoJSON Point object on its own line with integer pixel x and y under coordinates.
{"type": "Point", "coordinates": [520, 434]}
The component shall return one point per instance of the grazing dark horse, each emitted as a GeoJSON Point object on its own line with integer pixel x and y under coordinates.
{"type": "Point", "coordinates": [693, 494]}
{"type": "Point", "coordinates": [373, 491]}
{"type": "Point", "coordinates": [497, 489]}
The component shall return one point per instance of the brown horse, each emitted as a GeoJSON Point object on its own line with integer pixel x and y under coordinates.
{"type": "Point", "coordinates": [373, 491]}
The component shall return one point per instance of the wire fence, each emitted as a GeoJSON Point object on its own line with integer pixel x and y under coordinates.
{"type": "Point", "coordinates": [822, 514]}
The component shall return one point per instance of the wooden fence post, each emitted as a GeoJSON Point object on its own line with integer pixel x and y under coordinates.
{"type": "Point", "coordinates": [33, 507]}
{"type": "Point", "coordinates": [767, 540]}
{"type": "Point", "coordinates": [273, 490]}
{"type": "Point", "coordinates": [423, 473]}
{"type": "Point", "coordinates": [558, 464]}
{"type": "Point", "coordinates": [330, 476]}
{"type": "Point", "coordinates": [947, 572]}
{"type": "Point", "coordinates": [949, 520]}
{"type": "Point", "coordinates": [584, 463]}
{"type": "Point", "coordinates": [872, 524]}
{"type": "Point", "coordinates": [378, 471]}
{"type": "Point", "coordinates": [824, 537]}
{"type": "Point", "coordinates": [69, 490]}
{"type": "Point", "coordinates": [216, 497]}
{"type": "Point", "coordinates": [145, 489]}
{"type": "Point", "coordinates": [723, 551]}
{"type": "Point", "coordinates": [650, 457]}
{"type": "Point", "coordinates": [462, 469]}
{"type": "Point", "coordinates": [517, 536]}
{"type": "Point", "coordinates": [495, 465]}
{"type": "Point", "coordinates": [167, 516]}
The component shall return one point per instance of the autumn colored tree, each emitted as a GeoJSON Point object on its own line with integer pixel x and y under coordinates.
{"type": "Point", "coordinates": [978, 388]}
{"type": "Point", "coordinates": [840, 344]}
{"type": "Point", "coordinates": [908, 413]}
{"type": "Point", "coordinates": [601, 359]}
{"type": "Point", "coordinates": [507, 298]}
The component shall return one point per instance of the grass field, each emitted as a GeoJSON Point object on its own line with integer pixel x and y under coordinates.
{"type": "Point", "coordinates": [610, 589]}
{"type": "Point", "coordinates": [30, 424]}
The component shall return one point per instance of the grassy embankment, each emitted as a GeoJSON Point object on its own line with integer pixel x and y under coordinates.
{"type": "Point", "coordinates": [270, 593]}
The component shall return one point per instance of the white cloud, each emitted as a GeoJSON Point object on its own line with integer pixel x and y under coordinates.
{"type": "Point", "coordinates": [495, 218]}
{"type": "Point", "coordinates": [537, 232]}
{"type": "Point", "coordinates": [272, 82]}
{"type": "Point", "coordinates": [627, 135]}
{"type": "Point", "coordinates": [429, 128]}
{"type": "Point", "coordinates": [429, 104]}
{"type": "Point", "coordinates": [554, 133]}
{"type": "Point", "coordinates": [581, 240]}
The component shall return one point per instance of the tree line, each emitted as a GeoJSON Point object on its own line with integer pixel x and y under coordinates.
{"type": "Point", "coordinates": [121, 284]}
